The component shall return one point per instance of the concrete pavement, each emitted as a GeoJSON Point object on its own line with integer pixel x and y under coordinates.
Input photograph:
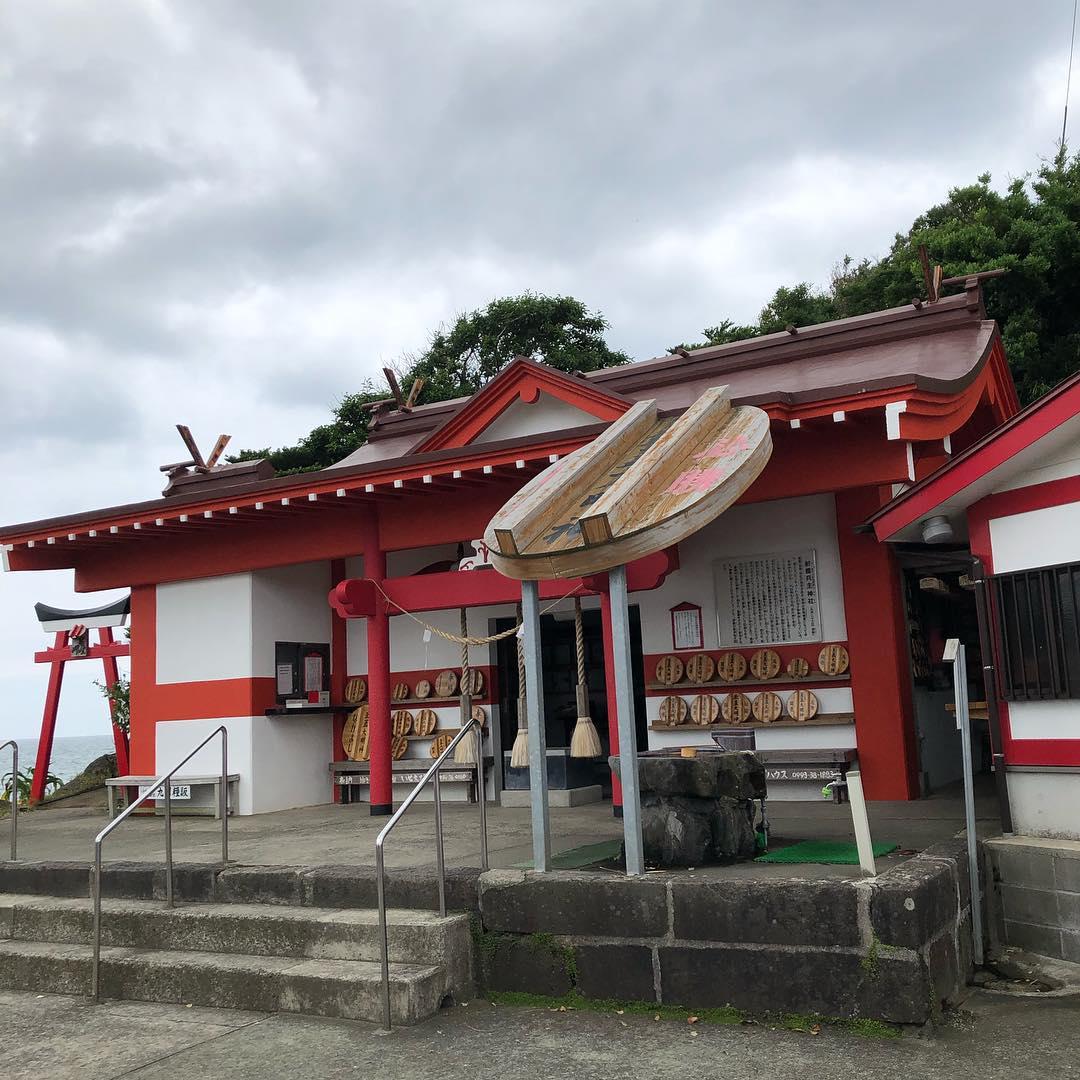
{"type": "Point", "coordinates": [992, 1037]}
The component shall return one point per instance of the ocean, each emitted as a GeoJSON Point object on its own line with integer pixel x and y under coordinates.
{"type": "Point", "coordinates": [71, 754]}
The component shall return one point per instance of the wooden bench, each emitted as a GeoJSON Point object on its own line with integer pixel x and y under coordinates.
{"type": "Point", "coordinates": [182, 789]}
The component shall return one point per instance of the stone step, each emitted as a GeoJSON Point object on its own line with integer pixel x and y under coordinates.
{"type": "Point", "coordinates": [414, 937]}
{"type": "Point", "coordinates": [348, 989]}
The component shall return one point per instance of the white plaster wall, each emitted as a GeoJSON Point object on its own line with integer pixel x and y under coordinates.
{"type": "Point", "coordinates": [289, 603]}
{"type": "Point", "coordinates": [204, 629]}
{"type": "Point", "coordinates": [520, 419]}
{"type": "Point", "coordinates": [1045, 803]}
{"type": "Point", "coordinates": [754, 529]}
{"type": "Point", "coordinates": [1045, 720]}
{"type": "Point", "coordinates": [1036, 538]}
{"type": "Point", "coordinates": [175, 738]}
{"type": "Point", "coordinates": [1055, 457]}
{"type": "Point", "coordinates": [291, 756]}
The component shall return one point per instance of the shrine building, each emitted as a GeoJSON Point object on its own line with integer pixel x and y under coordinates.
{"type": "Point", "coordinates": [286, 607]}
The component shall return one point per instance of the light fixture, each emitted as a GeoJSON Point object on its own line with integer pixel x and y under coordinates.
{"type": "Point", "coordinates": [937, 530]}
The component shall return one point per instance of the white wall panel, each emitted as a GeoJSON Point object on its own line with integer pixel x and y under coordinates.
{"type": "Point", "coordinates": [1045, 720]}
{"type": "Point", "coordinates": [1045, 803]}
{"type": "Point", "coordinates": [548, 413]}
{"type": "Point", "coordinates": [173, 739]}
{"type": "Point", "coordinates": [1036, 538]}
{"type": "Point", "coordinates": [204, 629]}
{"type": "Point", "coordinates": [289, 603]}
{"type": "Point", "coordinates": [290, 762]}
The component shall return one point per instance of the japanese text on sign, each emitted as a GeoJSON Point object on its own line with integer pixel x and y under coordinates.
{"type": "Point", "coordinates": [768, 599]}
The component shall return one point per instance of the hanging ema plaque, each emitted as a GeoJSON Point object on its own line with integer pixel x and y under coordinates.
{"type": "Point", "coordinates": [768, 599]}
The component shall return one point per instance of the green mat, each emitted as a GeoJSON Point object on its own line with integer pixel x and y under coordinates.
{"type": "Point", "coordinates": [823, 851]}
{"type": "Point", "coordinates": [576, 858]}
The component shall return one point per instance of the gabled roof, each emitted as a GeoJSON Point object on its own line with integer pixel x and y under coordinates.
{"type": "Point", "coordinates": [974, 473]}
{"type": "Point", "coordinates": [521, 380]}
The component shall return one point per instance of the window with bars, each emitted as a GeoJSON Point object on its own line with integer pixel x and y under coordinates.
{"type": "Point", "coordinates": [1038, 633]}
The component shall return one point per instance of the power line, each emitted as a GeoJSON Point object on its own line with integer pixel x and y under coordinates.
{"type": "Point", "coordinates": [1068, 76]}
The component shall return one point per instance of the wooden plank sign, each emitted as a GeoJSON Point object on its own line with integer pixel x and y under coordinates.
{"type": "Point", "coordinates": [672, 711]}
{"type": "Point", "coordinates": [700, 668]}
{"type": "Point", "coordinates": [833, 660]}
{"type": "Point", "coordinates": [767, 707]}
{"type": "Point", "coordinates": [798, 667]}
{"type": "Point", "coordinates": [402, 722]}
{"type": "Point", "coordinates": [802, 705]}
{"type": "Point", "coordinates": [765, 664]}
{"type": "Point", "coordinates": [446, 684]}
{"type": "Point", "coordinates": [736, 709]}
{"type": "Point", "coordinates": [704, 710]}
{"type": "Point", "coordinates": [731, 666]}
{"type": "Point", "coordinates": [355, 691]}
{"type": "Point", "coordinates": [422, 689]}
{"type": "Point", "coordinates": [643, 484]}
{"type": "Point", "coordinates": [669, 670]}
{"type": "Point", "coordinates": [401, 691]}
{"type": "Point", "coordinates": [425, 722]}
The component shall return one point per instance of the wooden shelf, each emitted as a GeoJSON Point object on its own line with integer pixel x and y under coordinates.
{"type": "Point", "coordinates": [817, 721]}
{"type": "Point", "coordinates": [743, 685]}
{"type": "Point", "coordinates": [307, 710]}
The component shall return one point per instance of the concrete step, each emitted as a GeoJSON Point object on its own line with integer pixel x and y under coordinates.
{"type": "Point", "coordinates": [414, 937]}
{"type": "Point", "coordinates": [349, 989]}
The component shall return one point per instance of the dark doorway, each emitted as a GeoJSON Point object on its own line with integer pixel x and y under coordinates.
{"type": "Point", "coordinates": [558, 658]}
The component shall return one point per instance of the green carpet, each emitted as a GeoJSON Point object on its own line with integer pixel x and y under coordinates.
{"type": "Point", "coordinates": [823, 851]}
{"type": "Point", "coordinates": [576, 858]}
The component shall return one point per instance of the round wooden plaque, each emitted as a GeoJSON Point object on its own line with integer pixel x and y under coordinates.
{"type": "Point", "coordinates": [355, 691]}
{"type": "Point", "coordinates": [440, 743]}
{"type": "Point", "coordinates": [401, 722]}
{"type": "Point", "coordinates": [731, 666]}
{"type": "Point", "coordinates": [833, 660]}
{"type": "Point", "coordinates": [363, 746]}
{"type": "Point", "coordinates": [736, 708]}
{"type": "Point", "coordinates": [446, 684]}
{"type": "Point", "coordinates": [704, 710]}
{"type": "Point", "coordinates": [669, 670]}
{"type": "Point", "coordinates": [479, 714]}
{"type": "Point", "coordinates": [355, 728]}
{"type": "Point", "coordinates": [476, 683]}
{"type": "Point", "coordinates": [802, 705]}
{"type": "Point", "coordinates": [798, 667]}
{"type": "Point", "coordinates": [767, 707]}
{"type": "Point", "coordinates": [765, 664]}
{"type": "Point", "coordinates": [398, 745]}
{"type": "Point", "coordinates": [422, 689]}
{"type": "Point", "coordinates": [401, 691]}
{"type": "Point", "coordinates": [425, 722]}
{"type": "Point", "coordinates": [700, 667]}
{"type": "Point", "coordinates": [672, 711]}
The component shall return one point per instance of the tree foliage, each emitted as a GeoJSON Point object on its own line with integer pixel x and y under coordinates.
{"type": "Point", "coordinates": [557, 330]}
{"type": "Point", "coordinates": [1032, 229]}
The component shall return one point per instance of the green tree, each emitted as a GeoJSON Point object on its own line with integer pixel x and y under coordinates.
{"type": "Point", "coordinates": [557, 330]}
{"type": "Point", "coordinates": [1032, 229]}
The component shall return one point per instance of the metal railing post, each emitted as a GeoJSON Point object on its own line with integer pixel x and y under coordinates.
{"type": "Point", "coordinates": [432, 775]}
{"type": "Point", "coordinates": [223, 796]}
{"type": "Point", "coordinates": [168, 844]}
{"type": "Point", "coordinates": [440, 854]}
{"type": "Point", "coordinates": [14, 796]}
{"type": "Point", "coordinates": [95, 982]}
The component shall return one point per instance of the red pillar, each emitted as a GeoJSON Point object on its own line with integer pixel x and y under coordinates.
{"type": "Point", "coordinates": [339, 662]}
{"type": "Point", "coordinates": [48, 723]}
{"type": "Point", "coordinates": [609, 689]}
{"type": "Point", "coordinates": [378, 651]}
{"type": "Point", "coordinates": [877, 642]}
{"type": "Point", "coordinates": [112, 677]}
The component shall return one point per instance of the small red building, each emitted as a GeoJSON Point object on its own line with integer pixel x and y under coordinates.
{"type": "Point", "coordinates": [227, 577]}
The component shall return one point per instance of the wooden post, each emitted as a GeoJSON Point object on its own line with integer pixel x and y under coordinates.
{"type": "Point", "coordinates": [48, 723]}
{"type": "Point", "coordinates": [339, 665]}
{"type": "Point", "coordinates": [378, 650]}
{"type": "Point", "coordinates": [624, 694]}
{"type": "Point", "coordinates": [534, 711]}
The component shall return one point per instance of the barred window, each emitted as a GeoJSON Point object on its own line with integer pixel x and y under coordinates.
{"type": "Point", "coordinates": [1038, 633]}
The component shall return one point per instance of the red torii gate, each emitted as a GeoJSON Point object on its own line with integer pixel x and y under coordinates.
{"type": "Point", "coordinates": [72, 629]}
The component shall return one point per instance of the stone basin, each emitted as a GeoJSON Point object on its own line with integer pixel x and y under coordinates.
{"type": "Point", "coordinates": [700, 809]}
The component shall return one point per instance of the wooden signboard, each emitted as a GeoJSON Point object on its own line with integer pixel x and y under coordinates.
{"type": "Point", "coordinates": [645, 483]}
{"type": "Point", "coordinates": [704, 710]}
{"type": "Point", "coordinates": [700, 668]}
{"type": "Point", "coordinates": [425, 722]}
{"type": "Point", "coordinates": [731, 666]}
{"type": "Point", "coordinates": [669, 670]}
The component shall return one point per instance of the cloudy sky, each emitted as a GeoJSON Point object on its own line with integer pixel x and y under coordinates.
{"type": "Point", "coordinates": [230, 213]}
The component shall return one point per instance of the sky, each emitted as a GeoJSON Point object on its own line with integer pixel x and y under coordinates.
{"type": "Point", "coordinates": [229, 214]}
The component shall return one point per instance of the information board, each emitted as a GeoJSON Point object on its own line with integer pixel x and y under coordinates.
{"type": "Point", "coordinates": [768, 599]}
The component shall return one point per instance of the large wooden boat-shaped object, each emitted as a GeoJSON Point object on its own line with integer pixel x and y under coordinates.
{"type": "Point", "coordinates": [646, 483]}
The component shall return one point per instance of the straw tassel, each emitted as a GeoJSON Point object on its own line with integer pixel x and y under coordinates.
{"type": "Point", "coordinates": [585, 742]}
{"type": "Point", "coordinates": [465, 751]}
{"type": "Point", "coordinates": [519, 756]}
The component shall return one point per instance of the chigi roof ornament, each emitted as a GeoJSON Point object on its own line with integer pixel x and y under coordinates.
{"type": "Point", "coordinates": [203, 471]}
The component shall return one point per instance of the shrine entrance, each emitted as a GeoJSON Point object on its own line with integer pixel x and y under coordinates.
{"type": "Point", "coordinates": [560, 702]}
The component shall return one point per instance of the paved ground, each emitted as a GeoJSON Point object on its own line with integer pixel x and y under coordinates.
{"type": "Point", "coordinates": [345, 835]}
{"type": "Point", "coordinates": [62, 1037]}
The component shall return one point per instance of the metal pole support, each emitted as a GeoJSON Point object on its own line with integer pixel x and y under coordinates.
{"type": "Point", "coordinates": [624, 705]}
{"type": "Point", "coordinates": [534, 715]}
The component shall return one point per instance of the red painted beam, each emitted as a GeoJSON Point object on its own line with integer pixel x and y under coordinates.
{"type": "Point", "coordinates": [94, 652]}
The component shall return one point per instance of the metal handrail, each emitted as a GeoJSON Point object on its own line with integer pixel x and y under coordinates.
{"type": "Point", "coordinates": [380, 840]}
{"type": "Point", "coordinates": [14, 795]}
{"type": "Point", "coordinates": [160, 787]}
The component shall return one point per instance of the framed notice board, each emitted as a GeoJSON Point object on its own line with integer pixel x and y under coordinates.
{"type": "Point", "coordinates": [301, 671]}
{"type": "Point", "coordinates": [768, 599]}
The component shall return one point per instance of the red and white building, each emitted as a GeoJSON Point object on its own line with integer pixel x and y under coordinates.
{"type": "Point", "coordinates": [1013, 497]}
{"type": "Point", "coordinates": [222, 570]}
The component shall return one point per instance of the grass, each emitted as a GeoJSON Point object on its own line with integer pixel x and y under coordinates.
{"type": "Point", "coordinates": [725, 1016]}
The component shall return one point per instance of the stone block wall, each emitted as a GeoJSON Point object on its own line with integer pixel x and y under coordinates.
{"type": "Point", "coordinates": [895, 947]}
{"type": "Point", "coordinates": [1034, 894]}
